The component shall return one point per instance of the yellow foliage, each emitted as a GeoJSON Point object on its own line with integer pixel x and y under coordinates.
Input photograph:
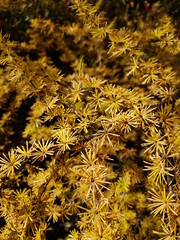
{"type": "Point", "coordinates": [98, 149]}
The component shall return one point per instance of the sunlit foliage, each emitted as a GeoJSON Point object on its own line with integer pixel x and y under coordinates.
{"type": "Point", "coordinates": [100, 150]}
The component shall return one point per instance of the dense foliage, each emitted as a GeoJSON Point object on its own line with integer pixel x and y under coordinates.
{"type": "Point", "coordinates": [89, 120]}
